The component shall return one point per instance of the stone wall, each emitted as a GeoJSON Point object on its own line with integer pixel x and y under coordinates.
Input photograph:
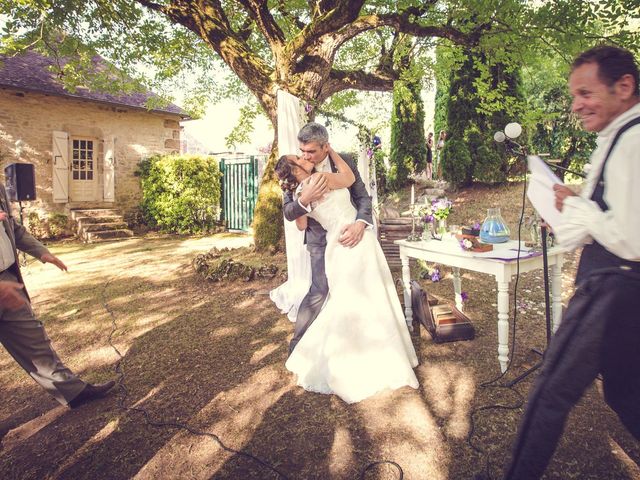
{"type": "Point", "coordinates": [32, 118]}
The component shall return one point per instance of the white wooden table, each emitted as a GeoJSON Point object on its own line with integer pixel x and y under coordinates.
{"type": "Point", "coordinates": [449, 252]}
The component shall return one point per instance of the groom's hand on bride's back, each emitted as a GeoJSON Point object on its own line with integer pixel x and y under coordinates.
{"type": "Point", "coordinates": [314, 190]}
{"type": "Point", "coordinates": [352, 234]}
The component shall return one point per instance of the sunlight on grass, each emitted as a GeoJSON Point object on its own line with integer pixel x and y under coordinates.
{"type": "Point", "coordinates": [629, 465]}
{"type": "Point", "coordinates": [26, 430]}
{"type": "Point", "coordinates": [341, 454]}
{"type": "Point", "coordinates": [405, 425]}
{"type": "Point", "coordinates": [224, 332]}
{"type": "Point", "coordinates": [239, 410]}
{"type": "Point", "coordinates": [263, 352]}
{"type": "Point", "coordinates": [102, 435]}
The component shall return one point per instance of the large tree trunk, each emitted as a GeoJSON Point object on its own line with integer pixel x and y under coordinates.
{"type": "Point", "coordinates": [268, 226]}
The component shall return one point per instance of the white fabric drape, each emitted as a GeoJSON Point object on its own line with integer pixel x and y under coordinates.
{"type": "Point", "coordinates": [287, 297]}
{"type": "Point", "coordinates": [368, 176]}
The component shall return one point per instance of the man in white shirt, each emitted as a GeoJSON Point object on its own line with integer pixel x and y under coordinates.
{"type": "Point", "coordinates": [600, 331]}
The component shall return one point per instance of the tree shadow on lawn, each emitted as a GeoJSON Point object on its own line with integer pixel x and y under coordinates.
{"type": "Point", "coordinates": [174, 369]}
{"type": "Point", "coordinates": [214, 360]}
{"type": "Point", "coordinates": [212, 356]}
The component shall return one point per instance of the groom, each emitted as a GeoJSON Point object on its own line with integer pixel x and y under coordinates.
{"type": "Point", "coordinates": [314, 145]}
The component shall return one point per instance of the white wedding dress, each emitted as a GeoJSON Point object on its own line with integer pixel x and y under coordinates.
{"type": "Point", "coordinates": [359, 343]}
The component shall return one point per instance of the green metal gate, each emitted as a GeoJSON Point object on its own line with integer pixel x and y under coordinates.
{"type": "Point", "coordinates": [239, 191]}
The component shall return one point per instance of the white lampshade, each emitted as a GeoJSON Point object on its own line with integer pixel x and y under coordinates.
{"type": "Point", "coordinates": [513, 130]}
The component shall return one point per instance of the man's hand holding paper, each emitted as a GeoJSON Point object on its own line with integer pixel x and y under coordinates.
{"type": "Point", "coordinates": [562, 192]}
{"type": "Point", "coordinates": [542, 191]}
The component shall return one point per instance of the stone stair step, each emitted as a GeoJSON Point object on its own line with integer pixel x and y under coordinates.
{"type": "Point", "coordinates": [93, 212]}
{"type": "Point", "coordinates": [92, 220]}
{"type": "Point", "coordinates": [101, 227]}
{"type": "Point", "coordinates": [108, 235]}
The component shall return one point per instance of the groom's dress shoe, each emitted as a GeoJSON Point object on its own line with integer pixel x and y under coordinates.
{"type": "Point", "coordinates": [91, 392]}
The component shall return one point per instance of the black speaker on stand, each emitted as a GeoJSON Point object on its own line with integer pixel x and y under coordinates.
{"type": "Point", "coordinates": [20, 183]}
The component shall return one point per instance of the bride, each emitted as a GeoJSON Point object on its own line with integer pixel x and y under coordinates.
{"type": "Point", "coordinates": [359, 343]}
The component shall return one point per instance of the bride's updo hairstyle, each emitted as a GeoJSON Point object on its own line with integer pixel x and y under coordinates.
{"type": "Point", "coordinates": [288, 182]}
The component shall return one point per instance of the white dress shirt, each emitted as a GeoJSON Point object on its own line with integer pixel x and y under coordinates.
{"type": "Point", "coordinates": [617, 229]}
{"type": "Point", "coordinates": [7, 258]}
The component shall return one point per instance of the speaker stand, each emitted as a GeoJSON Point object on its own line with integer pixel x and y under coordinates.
{"type": "Point", "coordinates": [23, 262]}
{"type": "Point", "coordinates": [547, 310]}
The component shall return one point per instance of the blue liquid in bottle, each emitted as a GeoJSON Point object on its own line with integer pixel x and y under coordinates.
{"type": "Point", "coordinates": [493, 229]}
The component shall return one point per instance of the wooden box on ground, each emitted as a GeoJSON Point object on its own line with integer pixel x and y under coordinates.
{"type": "Point", "coordinates": [445, 323]}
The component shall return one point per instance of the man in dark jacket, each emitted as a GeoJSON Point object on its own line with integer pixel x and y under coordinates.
{"type": "Point", "coordinates": [21, 333]}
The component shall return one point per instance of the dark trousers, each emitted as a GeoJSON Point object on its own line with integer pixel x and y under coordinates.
{"type": "Point", "coordinates": [27, 342]}
{"type": "Point", "coordinates": [600, 333]}
{"type": "Point", "coordinates": [314, 300]}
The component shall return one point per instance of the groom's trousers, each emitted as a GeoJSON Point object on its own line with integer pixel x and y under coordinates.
{"type": "Point", "coordinates": [25, 339]}
{"type": "Point", "coordinates": [314, 300]}
{"type": "Point", "coordinates": [600, 333]}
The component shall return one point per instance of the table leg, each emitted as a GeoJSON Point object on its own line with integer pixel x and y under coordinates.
{"type": "Point", "coordinates": [556, 294]}
{"type": "Point", "coordinates": [503, 325]}
{"type": "Point", "coordinates": [406, 287]}
{"type": "Point", "coordinates": [457, 287]}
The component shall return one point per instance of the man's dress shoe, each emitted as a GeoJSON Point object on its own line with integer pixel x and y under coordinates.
{"type": "Point", "coordinates": [91, 392]}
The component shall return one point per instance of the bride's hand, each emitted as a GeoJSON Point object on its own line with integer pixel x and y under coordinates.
{"type": "Point", "coordinates": [314, 189]}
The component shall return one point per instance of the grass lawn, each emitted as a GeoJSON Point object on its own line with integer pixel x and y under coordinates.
{"type": "Point", "coordinates": [211, 355]}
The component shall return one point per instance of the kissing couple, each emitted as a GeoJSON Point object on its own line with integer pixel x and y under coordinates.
{"type": "Point", "coordinates": [350, 336]}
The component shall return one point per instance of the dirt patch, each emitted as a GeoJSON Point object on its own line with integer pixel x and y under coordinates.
{"type": "Point", "coordinates": [212, 355]}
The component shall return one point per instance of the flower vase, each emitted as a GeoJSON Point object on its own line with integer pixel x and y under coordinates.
{"type": "Point", "coordinates": [442, 226]}
{"type": "Point", "coordinates": [426, 231]}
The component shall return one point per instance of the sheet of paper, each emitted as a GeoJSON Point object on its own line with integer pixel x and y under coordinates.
{"type": "Point", "coordinates": [540, 190]}
{"type": "Point", "coordinates": [541, 170]}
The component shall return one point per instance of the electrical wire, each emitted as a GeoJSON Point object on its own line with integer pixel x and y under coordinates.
{"type": "Point", "coordinates": [492, 383]}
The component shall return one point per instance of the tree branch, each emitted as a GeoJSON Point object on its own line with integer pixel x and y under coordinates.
{"type": "Point", "coordinates": [152, 6]}
{"type": "Point", "coordinates": [343, 13]}
{"type": "Point", "coordinates": [206, 18]}
{"type": "Point", "coordinates": [340, 80]}
{"type": "Point", "coordinates": [259, 11]}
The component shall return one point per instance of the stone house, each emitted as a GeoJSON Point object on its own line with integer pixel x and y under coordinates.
{"type": "Point", "coordinates": [85, 145]}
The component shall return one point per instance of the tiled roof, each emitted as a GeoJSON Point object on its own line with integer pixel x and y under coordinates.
{"type": "Point", "coordinates": [29, 71]}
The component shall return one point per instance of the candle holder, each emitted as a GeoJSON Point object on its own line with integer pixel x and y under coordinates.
{"type": "Point", "coordinates": [414, 236]}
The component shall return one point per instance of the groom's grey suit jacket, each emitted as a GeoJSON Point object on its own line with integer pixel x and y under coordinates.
{"type": "Point", "coordinates": [315, 235]}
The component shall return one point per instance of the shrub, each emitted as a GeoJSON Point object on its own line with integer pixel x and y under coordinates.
{"type": "Point", "coordinates": [408, 152]}
{"type": "Point", "coordinates": [58, 225]}
{"type": "Point", "coordinates": [180, 193]}
{"type": "Point", "coordinates": [53, 226]}
{"type": "Point", "coordinates": [456, 162]}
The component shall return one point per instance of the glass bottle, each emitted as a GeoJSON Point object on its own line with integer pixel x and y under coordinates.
{"type": "Point", "coordinates": [494, 229]}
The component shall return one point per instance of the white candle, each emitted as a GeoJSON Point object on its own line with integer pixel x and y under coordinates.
{"type": "Point", "coordinates": [413, 195]}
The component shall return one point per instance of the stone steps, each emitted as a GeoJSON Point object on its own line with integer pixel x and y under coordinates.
{"type": "Point", "coordinates": [108, 235]}
{"type": "Point", "coordinates": [94, 212]}
{"type": "Point", "coordinates": [100, 225]}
